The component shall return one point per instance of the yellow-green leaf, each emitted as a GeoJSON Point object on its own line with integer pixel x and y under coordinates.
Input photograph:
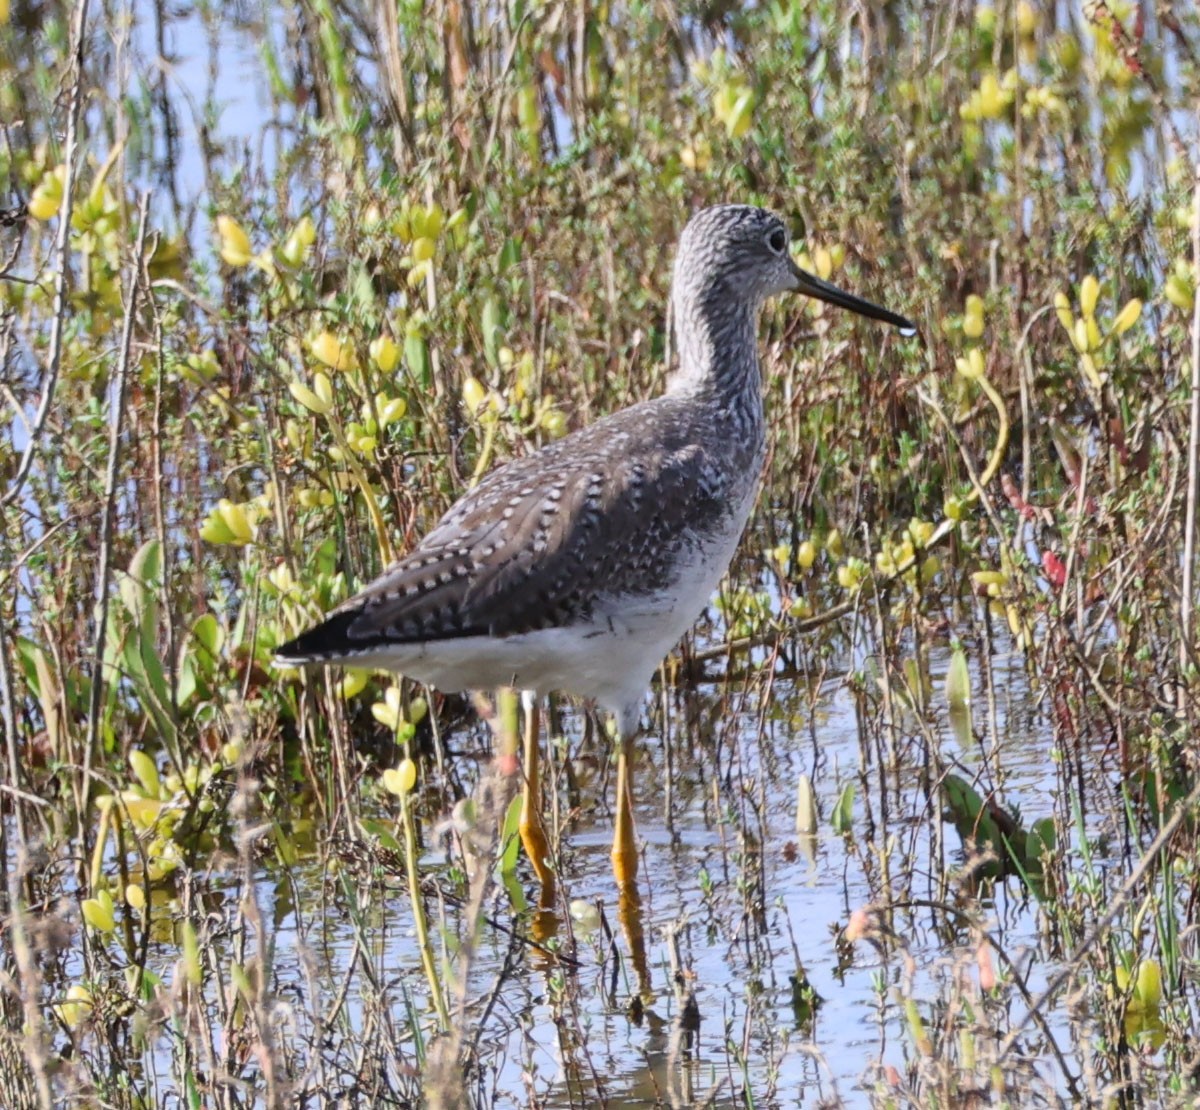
{"type": "Point", "coordinates": [215, 530]}
{"type": "Point", "coordinates": [1062, 308]}
{"type": "Point", "coordinates": [301, 237]}
{"type": "Point", "coordinates": [78, 1005]}
{"type": "Point", "coordinates": [385, 353]}
{"type": "Point", "coordinates": [970, 366]}
{"type": "Point", "coordinates": [473, 394]}
{"type": "Point", "coordinates": [47, 198]}
{"type": "Point", "coordinates": [235, 243]}
{"type": "Point", "coordinates": [309, 399]}
{"type": "Point", "coordinates": [237, 521]}
{"type": "Point", "coordinates": [973, 317]}
{"type": "Point", "coordinates": [1089, 293]}
{"type": "Point", "coordinates": [390, 409]}
{"type": "Point", "coordinates": [419, 273]}
{"type": "Point", "coordinates": [191, 952]}
{"type": "Point", "coordinates": [323, 388]}
{"type": "Point", "coordinates": [98, 912]}
{"type": "Point", "coordinates": [332, 352]}
{"type": "Point", "coordinates": [1147, 989]}
{"type": "Point", "coordinates": [741, 115]}
{"type": "Point", "coordinates": [145, 771]}
{"type": "Point", "coordinates": [958, 681]}
{"type": "Point", "coordinates": [387, 712]}
{"type": "Point", "coordinates": [842, 818]}
{"type": "Point", "coordinates": [1178, 290]}
{"type": "Point", "coordinates": [400, 780]}
{"type": "Point", "coordinates": [1128, 316]}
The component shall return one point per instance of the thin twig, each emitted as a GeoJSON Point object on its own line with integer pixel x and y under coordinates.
{"type": "Point", "coordinates": [1189, 528]}
{"type": "Point", "coordinates": [62, 251]}
{"type": "Point", "coordinates": [116, 419]}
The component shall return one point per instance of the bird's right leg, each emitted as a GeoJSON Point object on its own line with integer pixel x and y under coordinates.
{"type": "Point", "coordinates": [624, 849]}
{"type": "Point", "coordinates": [530, 826]}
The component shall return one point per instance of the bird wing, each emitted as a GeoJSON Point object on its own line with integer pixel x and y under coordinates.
{"type": "Point", "coordinates": [536, 545]}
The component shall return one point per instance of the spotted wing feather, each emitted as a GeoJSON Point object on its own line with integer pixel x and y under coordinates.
{"type": "Point", "coordinates": [537, 544]}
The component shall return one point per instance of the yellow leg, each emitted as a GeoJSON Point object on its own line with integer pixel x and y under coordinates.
{"type": "Point", "coordinates": [624, 849]}
{"type": "Point", "coordinates": [533, 835]}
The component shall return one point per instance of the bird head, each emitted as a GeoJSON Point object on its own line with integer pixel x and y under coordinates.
{"type": "Point", "coordinates": [736, 252]}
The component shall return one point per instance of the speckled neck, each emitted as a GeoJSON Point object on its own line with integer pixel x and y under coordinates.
{"type": "Point", "coordinates": [718, 358]}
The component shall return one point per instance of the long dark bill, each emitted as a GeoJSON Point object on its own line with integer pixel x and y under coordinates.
{"type": "Point", "coordinates": [812, 286]}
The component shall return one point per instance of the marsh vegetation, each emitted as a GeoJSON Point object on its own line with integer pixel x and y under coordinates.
{"type": "Point", "coordinates": [917, 798]}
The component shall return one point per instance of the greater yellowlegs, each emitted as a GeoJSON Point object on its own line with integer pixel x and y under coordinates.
{"type": "Point", "coordinates": [577, 568]}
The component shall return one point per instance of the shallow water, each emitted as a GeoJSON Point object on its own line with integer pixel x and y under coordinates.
{"type": "Point", "coordinates": [557, 1035]}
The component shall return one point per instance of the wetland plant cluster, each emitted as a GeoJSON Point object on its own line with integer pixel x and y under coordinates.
{"type": "Point", "coordinates": [278, 283]}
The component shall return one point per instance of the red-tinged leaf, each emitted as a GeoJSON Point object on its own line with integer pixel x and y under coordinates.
{"type": "Point", "coordinates": [1055, 569]}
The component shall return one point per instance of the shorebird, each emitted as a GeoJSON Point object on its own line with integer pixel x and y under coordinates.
{"type": "Point", "coordinates": [579, 567]}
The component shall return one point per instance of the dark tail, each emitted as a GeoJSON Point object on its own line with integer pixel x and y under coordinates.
{"type": "Point", "coordinates": [326, 642]}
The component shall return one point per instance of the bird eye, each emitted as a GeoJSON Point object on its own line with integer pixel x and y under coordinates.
{"type": "Point", "coordinates": [777, 241]}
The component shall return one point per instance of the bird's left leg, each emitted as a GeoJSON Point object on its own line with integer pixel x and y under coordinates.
{"type": "Point", "coordinates": [625, 850]}
{"type": "Point", "coordinates": [533, 834]}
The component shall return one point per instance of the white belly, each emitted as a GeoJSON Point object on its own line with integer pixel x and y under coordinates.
{"type": "Point", "coordinates": [611, 658]}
